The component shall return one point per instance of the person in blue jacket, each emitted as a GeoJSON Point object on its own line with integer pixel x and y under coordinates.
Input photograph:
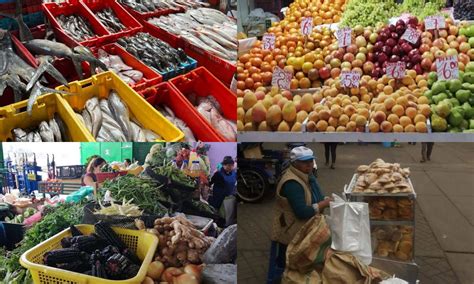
{"type": "Point", "coordinates": [224, 182]}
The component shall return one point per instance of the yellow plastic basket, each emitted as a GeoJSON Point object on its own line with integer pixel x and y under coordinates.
{"type": "Point", "coordinates": [100, 85]}
{"type": "Point", "coordinates": [144, 244]}
{"type": "Point", "coordinates": [15, 115]}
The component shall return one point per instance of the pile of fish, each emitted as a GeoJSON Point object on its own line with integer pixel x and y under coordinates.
{"type": "Point", "coordinates": [210, 109]}
{"type": "Point", "coordinates": [108, 18]}
{"type": "Point", "coordinates": [115, 63]}
{"type": "Point", "coordinates": [169, 114]}
{"type": "Point", "coordinates": [76, 26]}
{"type": "Point", "coordinates": [52, 131]}
{"type": "Point", "coordinates": [205, 28]}
{"type": "Point", "coordinates": [145, 6]}
{"type": "Point", "coordinates": [155, 53]}
{"type": "Point", "coordinates": [108, 120]}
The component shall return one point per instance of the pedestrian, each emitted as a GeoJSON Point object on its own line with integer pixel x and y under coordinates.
{"type": "Point", "coordinates": [298, 198]}
{"type": "Point", "coordinates": [90, 177]}
{"type": "Point", "coordinates": [426, 149]}
{"type": "Point", "coordinates": [330, 150]}
{"type": "Point", "coordinates": [127, 163]}
{"type": "Point", "coordinates": [224, 182]}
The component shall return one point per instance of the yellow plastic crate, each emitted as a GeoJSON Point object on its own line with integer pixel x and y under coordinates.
{"type": "Point", "coordinates": [99, 85]}
{"type": "Point", "coordinates": [15, 115]}
{"type": "Point", "coordinates": [142, 243]}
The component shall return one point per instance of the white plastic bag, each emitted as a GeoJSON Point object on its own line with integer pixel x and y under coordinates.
{"type": "Point", "coordinates": [350, 228]}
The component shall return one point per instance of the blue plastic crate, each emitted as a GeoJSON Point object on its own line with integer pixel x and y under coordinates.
{"type": "Point", "coordinates": [183, 69]}
{"type": "Point", "coordinates": [31, 20]}
{"type": "Point", "coordinates": [6, 1]}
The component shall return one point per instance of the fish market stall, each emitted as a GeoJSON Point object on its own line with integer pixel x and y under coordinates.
{"type": "Point", "coordinates": [143, 221]}
{"type": "Point", "coordinates": [87, 39]}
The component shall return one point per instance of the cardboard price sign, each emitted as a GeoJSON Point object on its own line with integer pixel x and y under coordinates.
{"type": "Point", "coordinates": [435, 23]}
{"type": "Point", "coordinates": [268, 41]}
{"type": "Point", "coordinates": [344, 37]}
{"type": "Point", "coordinates": [281, 78]}
{"type": "Point", "coordinates": [447, 67]}
{"type": "Point", "coordinates": [396, 70]}
{"type": "Point", "coordinates": [350, 79]}
{"type": "Point", "coordinates": [306, 26]}
{"type": "Point", "coordinates": [411, 35]}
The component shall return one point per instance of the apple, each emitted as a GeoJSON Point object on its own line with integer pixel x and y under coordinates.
{"type": "Point", "coordinates": [451, 52]}
{"type": "Point", "coordinates": [373, 37]}
{"type": "Point", "coordinates": [409, 65]}
{"type": "Point", "coordinates": [360, 41]}
{"type": "Point", "coordinates": [433, 67]}
{"type": "Point", "coordinates": [324, 73]}
{"type": "Point", "coordinates": [367, 33]}
{"type": "Point", "coordinates": [428, 55]}
{"type": "Point", "coordinates": [335, 63]}
{"type": "Point", "coordinates": [378, 46]}
{"type": "Point", "coordinates": [464, 58]}
{"type": "Point", "coordinates": [383, 36]}
{"type": "Point", "coordinates": [426, 35]}
{"type": "Point", "coordinates": [391, 42]}
{"type": "Point", "coordinates": [382, 58]}
{"type": "Point", "coordinates": [470, 53]}
{"type": "Point", "coordinates": [405, 58]}
{"type": "Point", "coordinates": [464, 47]}
{"type": "Point", "coordinates": [346, 65]}
{"type": "Point", "coordinates": [396, 50]}
{"type": "Point", "coordinates": [361, 57]}
{"type": "Point", "coordinates": [313, 74]}
{"type": "Point", "coordinates": [426, 64]}
{"type": "Point", "coordinates": [394, 35]}
{"type": "Point", "coordinates": [352, 49]}
{"type": "Point", "coordinates": [394, 58]}
{"type": "Point", "coordinates": [348, 57]}
{"type": "Point", "coordinates": [423, 48]}
{"type": "Point", "coordinates": [439, 53]}
{"type": "Point", "coordinates": [370, 57]}
{"type": "Point", "coordinates": [406, 47]}
{"type": "Point", "coordinates": [400, 22]}
{"type": "Point", "coordinates": [363, 50]}
{"type": "Point", "coordinates": [413, 52]}
{"type": "Point", "coordinates": [438, 43]}
{"type": "Point", "coordinates": [400, 30]}
{"type": "Point", "coordinates": [416, 59]}
{"type": "Point", "coordinates": [368, 67]}
{"type": "Point", "coordinates": [418, 69]}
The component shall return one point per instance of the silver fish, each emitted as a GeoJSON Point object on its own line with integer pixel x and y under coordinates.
{"type": "Point", "coordinates": [120, 113]}
{"type": "Point", "coordinates": [133, 74]}
{"type": "Point", "coordinates": [20, 135]}
{"type": "Point", "coordinates": [92, 107]}
{"type": "Point", "coordinates": [55, 128]}
{"type": "Point", "coordinates": [86, 117]}
{"type": "Point", "coordinates": [45, 132]}
{"type": "Point", "coordinates": [138, 135]}
{"type": "Point", "coordinates": [113, 128]}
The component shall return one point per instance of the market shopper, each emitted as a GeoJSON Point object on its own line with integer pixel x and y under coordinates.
{"type": "Point", "coordinates": [330, 150]}
{"type": "Point", "coordinates": [94, 167]}
{"type": "Point", "coordinates": [223, 182]}
{"type": "Point", "coordinates": [127, 163]}
{"type": "Point", "coordinates": [426, 149]}
{"type": "Point", "coordinates": [298, 198]}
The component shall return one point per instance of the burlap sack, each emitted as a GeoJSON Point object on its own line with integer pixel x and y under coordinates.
{"type": "Point", "coordinates": [344, 268]}
{"type": "Point", "coordinates": [309, 246]}
{"type": "Point", "coordinates": [295, 277]}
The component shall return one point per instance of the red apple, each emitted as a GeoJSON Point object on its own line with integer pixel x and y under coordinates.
{"type": "Point", "coordinates": [426, 64]}
{"type": "Point", "coordinates": [394, 58]}
{"type": "Point", "coordinates": [418, 70]}
{"type": "Point", "coordinates": [324, 73]}
{"type": "Point", "coordinates": [382, 58]}
{"type": "Point", "coordinates": [391, 42]}
{"type": "Point", "coordinates": [423, 48]}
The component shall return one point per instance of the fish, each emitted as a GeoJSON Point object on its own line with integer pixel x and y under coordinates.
{"type": "Point", "coordinates": [55, 129]}
{"type": "Point", "coordinates": [80, 118]}
{"type": "Point", "coordinates": [223, 126]}
{"type": "Point", "coordinates": [87, 120]}
{"type": "Point", "coordinates": [133, 74]}
{"type": "Point", "coordinates": [151, 136]}
{"type": "Point", "coordinates": [45, 132]}
{"type": "Point", "coordinates": [112, 127]}
{"type": "Point", "coordinates": [137, 133]}
{"type": "Point", "coordinates": [120, 112]}
{"type": "Point", "coordinates": [154, 52]}
{"type": "Point", "coordinates": [108, 18]}
{"type": "Point", "coordinates": [93, 108]}
{"type": "Point", "coordinates": [76, 26]}
{"type": "Point", "coordinates": [115, 63]}
{"type": "Point", "coordinates": [20, 135]}
{"type": "Point", "coordinates": [169, 114]}
{"type": "Point", "coordinates": [37, 91]}
{"type": "Point", "coordinates": [62, 127]}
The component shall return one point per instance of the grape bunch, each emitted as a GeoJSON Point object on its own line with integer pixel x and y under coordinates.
{"type": "Point", "coordinates": [368, 12]}
{"type": "Point", "coordinates": [464, 9]}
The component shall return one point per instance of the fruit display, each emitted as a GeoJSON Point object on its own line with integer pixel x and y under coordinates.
{"type": "Point", "coordinates": [452, 102]}
{"type": "Point", "coordinates": [382, 178]}
{"type": "Point", "coordinates": [395, 242]}
{"type": "Point", "coordinates": [463, 10]}
{"type": "Point", "coordinates": [391, 208]}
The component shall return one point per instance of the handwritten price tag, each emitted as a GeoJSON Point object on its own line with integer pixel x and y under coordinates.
{"type": "Point", "coordinates": [396, 70]}
{"type": "Point", "coordinates": [306, 25]}
{"type": "Point", "coordinates": [350, 79]}
{"type": "Point", "coordinates": [411, 35]}
{"type": "Point", "coordinates": [268, 41]}
{"type": "Point", "coordinates": [447, 68]}
{"type": "Point", "coordinates": [281, 78]}
{"type": "Point", "coordinates": [435, 23]}
{"type": "Point", "coordinates": [344, 37]}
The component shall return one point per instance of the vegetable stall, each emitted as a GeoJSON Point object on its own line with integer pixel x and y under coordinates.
{"type": "Point", "coordinates": [147, 223]}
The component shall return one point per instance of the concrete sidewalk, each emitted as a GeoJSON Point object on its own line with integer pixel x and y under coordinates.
{"type": "Point", "coordinates": [444, 245]}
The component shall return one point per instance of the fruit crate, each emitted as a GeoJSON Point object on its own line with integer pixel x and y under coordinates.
{"type": "Point", "coordinates": [224, 70]}
{"type": "Point", "coordinates": [150, 76]}
{"type": "Point", "coordinates": [169, 96]}
{"type": "Point", "coordinates": [101, 177]}
{"type": "Point", "coordinates": [202, 83]}
{"type": "Point", "coordinates": [50, 187]}
{"type": "Point", "coordinates": [131, 24]}
{"type": "Point", "coordinates": [142, 243]}
{"type": "Point", "coordinates": [53, 10]}
{"type": "Point", "coordinates": [15, 115]}
{"type": "Point", "coordinates": [99, 85]}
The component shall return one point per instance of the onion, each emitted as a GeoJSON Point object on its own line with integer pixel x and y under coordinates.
{"type": "Point", "coordinates": [185, 279]}
{"type": "Point", "coordinates": [193, 269]}
{"type": "Point", "coordinates": [155, 269]}
{"type": "Point", "coordinates": [170, 273]}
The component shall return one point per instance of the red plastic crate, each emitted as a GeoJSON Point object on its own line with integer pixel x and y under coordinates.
{"type": "Point", "coordinates": [150, 77]}
{"type": "Point", "coordinates": [142, 16]}
{"type": "Point", "coordinates": [101, 177]}
{"type": "Point", "coordinates": [222, 69]}
{"type": "Point", "coordinates": [173, 99]}
{"type": "Point", "coordinates": [201, 82]}
{"type": "Point", "coordinates": [63, 65]}
{"type": "Point", "coordinates": [131, 24]}
{"type": "Point", "coordinates": [52, 10]}
{"type": "Point", "coordinates": [173, 40]}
